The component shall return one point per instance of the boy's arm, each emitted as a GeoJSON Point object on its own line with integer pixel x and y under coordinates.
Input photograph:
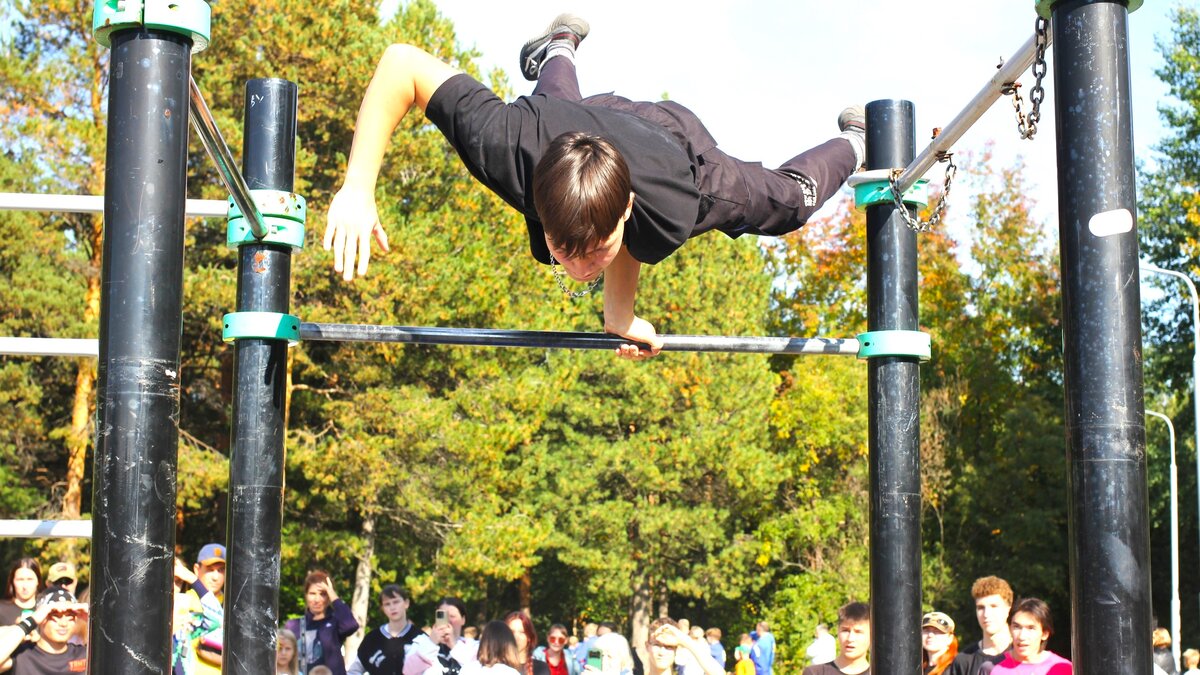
{"type": "Point", "coordinates": [620, 291]}
{"type": "Point", "coordinates": [406, 76]}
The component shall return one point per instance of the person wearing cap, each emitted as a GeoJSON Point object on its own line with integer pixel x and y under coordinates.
{"type": "Point", "coordinates": [54, 619]}
{"type": "Point", "coordinates": [938, 644]}
{"type": "Point", "coordinates": [854, 639]}
{"type": "Point", "coordinates": [63, 575]}
{"type": "Point", "coordinates": [196, 642]}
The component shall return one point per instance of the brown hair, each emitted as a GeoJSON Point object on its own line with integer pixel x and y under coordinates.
{"type": "Point", "coordinates": [581, 187]}
{"type": "Point", "coordinates": [854, 612]}
{"type": "Point", "coordinates": [315, 577]}
{"type": "Point", "coordinates": [498, 645]}
{"type": "Point", "coordinates": [1039, 610]}
{"type": "Point", "coordinates": [658, 623]}
{"type": "Point", "coordinates": [985, 586]}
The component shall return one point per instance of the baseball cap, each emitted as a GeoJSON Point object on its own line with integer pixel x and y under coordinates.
{"type": "Point", "coordinates": [55, 595]}
{"type": "Point", "coordinates": [62, 570]}
{"type": "Point", "coordinates": [210, 554]}
{"type": "Point", "coordinates": [939, 621]}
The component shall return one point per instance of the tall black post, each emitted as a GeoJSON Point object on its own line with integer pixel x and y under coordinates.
{"type": "Point", "coordinates": [260, 370]}
{"type": "Point", "coordinates": [1106, 436]}
{"type": "Point", "coordinates": [141, 298]}
{"type": "Point", "coordinates": [894, 409]}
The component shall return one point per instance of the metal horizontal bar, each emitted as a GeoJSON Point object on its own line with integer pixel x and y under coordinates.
{"type": "Point", "coordinates": [17, 346]}
{"type": "Point", "coordinates": [231, 176]}
{"type": "Point", "coordinates": [51, 203]}
{"type": "Point", "coordinates": [341, 332]}
{"type": "Point", "coordinates": [46, 529]}
{"type": "Point", "coordinates": [1008, 73]}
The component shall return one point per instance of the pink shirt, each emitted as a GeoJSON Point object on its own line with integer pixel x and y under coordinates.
{"type": "Point", "coordinates": [1053, 664]}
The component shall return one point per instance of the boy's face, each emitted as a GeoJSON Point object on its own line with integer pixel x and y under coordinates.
{"type": "Point", "coordinates": [211, 575]}
{"type": "Point", "coordinates": [590, 265]}
{"type": "Point", "coordinates": [395, 608]}
{"type": "Point", "coordinates": [992, 613]}
{"type": "Point", "coordinates": [854, 638]}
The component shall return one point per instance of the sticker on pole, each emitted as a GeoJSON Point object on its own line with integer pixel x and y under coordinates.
{"type": "Point", "coordinates": [1108, 223]}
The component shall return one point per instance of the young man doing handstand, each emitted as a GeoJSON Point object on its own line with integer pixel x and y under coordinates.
{"type": "Point", "coordinates": [605, 184]}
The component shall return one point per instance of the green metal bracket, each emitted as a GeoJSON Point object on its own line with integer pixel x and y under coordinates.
{"type": "Point", "coordinates": [262, 326]}
{"type": "Point", "coordinates": [895, 343]}
{"type": "Point", "coordinates": [192, 18]}
{"type": "Point", "coordinates": [874, 187]}
{"type": "Point", "coordinates": [1043, 6]}
{"type": "Point", "coordinates": [284, 214]}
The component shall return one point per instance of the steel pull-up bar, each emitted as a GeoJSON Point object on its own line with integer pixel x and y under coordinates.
{"type": "Point", "coordinates": [54, 203]}
{"type": "Point", "coordinates": [340, 332]}
{"type": "Point", "coordinates": [1008, 73]}
{"type": "Point", "coordinates": [227, 169]}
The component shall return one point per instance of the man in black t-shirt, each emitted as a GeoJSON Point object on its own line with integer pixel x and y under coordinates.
{"type": "Point", "coordinates": [605, 184]}
{"type": "Point", "coordinates": [54, 619]}
{"type": "Point", "coordinates": [382, 650]}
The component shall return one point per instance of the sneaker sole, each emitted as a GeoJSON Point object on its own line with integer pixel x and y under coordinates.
{"type": "Point", "coordinates": [529, 65]}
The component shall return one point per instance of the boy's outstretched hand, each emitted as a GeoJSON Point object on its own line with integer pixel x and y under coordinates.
{"type": "Point", "coordinates": [353, 219]}
{"type": "Point", "coordinates": [642, 331]}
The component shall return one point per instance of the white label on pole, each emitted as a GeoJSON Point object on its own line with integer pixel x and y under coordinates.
{"type": "Point", "coordinates": [1108, 223]}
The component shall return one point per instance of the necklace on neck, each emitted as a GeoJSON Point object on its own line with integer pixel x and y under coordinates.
{"type": "Point", "coordinates": [562, 284]}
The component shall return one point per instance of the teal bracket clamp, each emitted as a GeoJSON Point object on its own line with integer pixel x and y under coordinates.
{"type": "Point", "coordinates": [261, 326]}
{"type": "Point", "coordinates": [284, 214]}
{"type": "Point", "coordinates": [192, 18]}
{"type": "Point", "coordinates": [874, 187]}
{"type": "Point", "coordinates": [1043, 6]}
{"type": "Point", "coordinates": [895, 343]}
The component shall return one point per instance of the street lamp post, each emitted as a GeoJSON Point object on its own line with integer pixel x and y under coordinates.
{"type": "Point", "coordinates": [1175, 605]}
{"type": "Point", "coordinates": [1150, 267]}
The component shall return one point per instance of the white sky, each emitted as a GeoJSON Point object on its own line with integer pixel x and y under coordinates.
{"type": "Point", "coordinates": [768, 77]}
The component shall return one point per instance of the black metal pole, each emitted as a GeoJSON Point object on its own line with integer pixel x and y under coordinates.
{"type": "Point", "coordinates": [1106, 436]}
{"type": "Point", "coordinates": [894, 410]}
{"type": "Point", "coordinates": [141, 320]}
{"type": "Point", "coordinates": [259, 413]}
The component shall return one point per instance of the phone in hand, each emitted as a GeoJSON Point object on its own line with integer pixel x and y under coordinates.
{"type": "Point", "coordinates": [439, 617]}
{"type": "Point", "coordinates": [595, 659]}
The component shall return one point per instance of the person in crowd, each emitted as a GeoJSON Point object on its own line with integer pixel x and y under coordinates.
{"type": "Point", "coordinates": [63, 575]}
{"type": "Point", "coordinates": [854, 640]}
{"type": "Point", "coordinates": [382, 651]}
{"type": "Point", "coordinates": [1163, 657]}
{"type": "Point", "coordinates": [24, 582]}
{"type": "Point", "coordinates": [1191, 659]}
{"type": "Point", "coordinates": [498, 654]}
{"type": "Point", "coordinates": [743, 664]}
{"type": "Point", "coordinates": [325, 625]}
{"type": "Point", "coordinates": [713, 637]}
{"type": "Point", "coordinates": [667, 641]}
{"type": "Point", "coordinates": [585, 643]}
{"type": "Point", "coordinates": [938, 644]}
{"type": "Point", "coordinates": [444, 651]}
{"type": "Point", "coordinates": [526, 636]}
{"type": "Point", "coordinates": [993, 604]}
{"type": "Point", "coordinates": [320, 670]}
{"type": "Point", "coordinates": [287, 660]}
{"type": "Point", "coordinates": [196, 640]}
{"type": "Point", "coordinates": [555, 655]}
{"type": "Point", "coordinates": [823, 648]}
{"type": "Point", "coordinates": [684, 663]}
{"type": "Point", "coordinates": [605, 184]}
{"type": "Point", "coordinates": [81, 620]}
{"type": "Point", "coordinates": [471, 632]}
{"type": "Point", "coordinates": [763, 653]}
{"type": "Point", "coordinates": [615, 656]}
{"type": "Point", "coordinates": [1031, 627]}
{"type": "Point", "coordinates": [54, 617]}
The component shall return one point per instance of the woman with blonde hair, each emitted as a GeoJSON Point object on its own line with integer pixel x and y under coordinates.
{"type": "Point", "coordinates": [286, 653]}
{"type": "Point", "coordinates": [1163, 657]}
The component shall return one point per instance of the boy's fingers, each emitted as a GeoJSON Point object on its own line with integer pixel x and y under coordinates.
{"type": "Point", "coordinates": [339, 243]}
{"type": "Point", "coordinates": [349, 252]}
{"type": "Point", "coordinates": [327, 240]}
{"type": "Point", "coordinates": [381, 237]}
{"type": "Point", "coordinates": [364, 257]}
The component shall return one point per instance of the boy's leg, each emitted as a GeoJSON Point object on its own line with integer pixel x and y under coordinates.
{"type": "Point", "coordinates": [558, 80]}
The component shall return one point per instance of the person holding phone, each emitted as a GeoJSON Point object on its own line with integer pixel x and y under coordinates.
{"type": "Point", "coordinates": [444, 651]}
{"type": "Point", "coordinates": [610, 655]}
{"type": "Point", "coordinates": [325, 625]}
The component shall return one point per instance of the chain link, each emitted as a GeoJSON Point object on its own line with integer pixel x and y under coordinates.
{"type": "Point", "coordinates": [562, 284]}
{"type": "Point", "coordinates": [1027, 125]}
{"type": "Point", "coordinates": [915, 224]}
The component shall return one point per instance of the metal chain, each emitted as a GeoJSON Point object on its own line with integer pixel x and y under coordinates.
{"type": "Point", "coordinates": [1027, 125]}
{"type": "Point", "coordinates": [915, 224]}
{"type": "Point", "coordinates": [562, 284]}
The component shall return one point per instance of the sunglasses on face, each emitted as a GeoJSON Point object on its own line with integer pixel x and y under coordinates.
{"type": "Point", "coordinates": [558, 640]}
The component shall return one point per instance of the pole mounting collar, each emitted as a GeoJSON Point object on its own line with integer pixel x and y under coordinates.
{"type": "Point", "coordinates": [879, 343]}
{"type": "Point", "coordinates": [261, 326]}
{"type": "Point", "coordinates": [190, 18]}
{"type": "Point", "coordinates": [1043, 6]}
